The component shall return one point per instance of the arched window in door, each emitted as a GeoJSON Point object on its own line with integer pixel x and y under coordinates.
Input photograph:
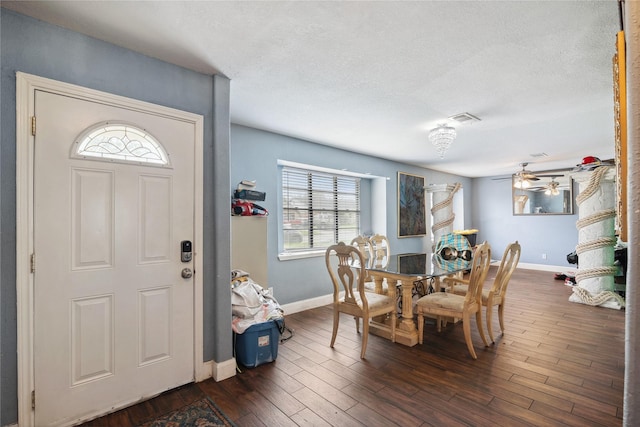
{"type": "Point", "coordinates": [120, 142]}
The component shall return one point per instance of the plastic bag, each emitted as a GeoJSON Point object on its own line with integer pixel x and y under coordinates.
{"type": "Point", "coordinates": [251, 303]}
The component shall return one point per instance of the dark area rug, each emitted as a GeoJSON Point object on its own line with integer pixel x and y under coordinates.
{"type": "Point", "coordinates": [201, 413]}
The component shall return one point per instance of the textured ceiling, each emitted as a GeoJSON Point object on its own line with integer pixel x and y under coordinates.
{"type": "Point", "coordinates": [375, 77]}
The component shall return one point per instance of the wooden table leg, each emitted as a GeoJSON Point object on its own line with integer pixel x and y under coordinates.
{"type": "Point", "coordinates": [406, 331]}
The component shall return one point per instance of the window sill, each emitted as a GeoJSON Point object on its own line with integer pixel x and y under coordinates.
{"type": "Point", "coordinates": [288, 256]}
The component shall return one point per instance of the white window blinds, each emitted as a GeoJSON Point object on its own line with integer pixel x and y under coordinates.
{"type": "Point", "coordinates": [319, 209]}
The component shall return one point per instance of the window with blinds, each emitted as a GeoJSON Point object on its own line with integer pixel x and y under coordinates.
{"type": "Point", "coordinates": [318, 209]}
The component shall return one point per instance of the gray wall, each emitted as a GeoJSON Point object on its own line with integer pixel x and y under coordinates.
{"type": "Point", "coordinates": [45, 50]}
{"type": "Point", "coordinates": [632, 318]}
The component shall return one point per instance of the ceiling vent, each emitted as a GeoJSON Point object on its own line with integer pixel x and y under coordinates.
{"type": "Point", "coordinates": [537, 155]}
{"type": "Point", "coordinates": [464, 118]}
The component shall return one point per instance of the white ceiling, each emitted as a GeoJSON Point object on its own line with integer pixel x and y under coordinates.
{"type": "Point", "coordinates": [375, 77]}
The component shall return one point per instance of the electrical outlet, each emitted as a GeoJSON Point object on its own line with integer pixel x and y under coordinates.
{"type": "Point", "coordinates": [544, 256]}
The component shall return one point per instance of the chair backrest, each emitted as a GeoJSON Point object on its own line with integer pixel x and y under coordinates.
{"type": "Point", "coordinates": [479, 270]}
{"type": "Point", "coordinates": [507, 266]}
{"type": "Point", "coordinates": [347, 269]}
{"type": "Point", "coordinates": [364, 246]}
{"type": "Point", "coordinates": [381, 250]}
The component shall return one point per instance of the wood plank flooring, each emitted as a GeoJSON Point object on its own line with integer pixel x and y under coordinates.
{"type": "Point", "coordinates": [558, 364]}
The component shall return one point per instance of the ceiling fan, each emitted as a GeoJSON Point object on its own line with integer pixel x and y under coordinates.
{"type": "Point", "coordinates": [524, 180]}
{"type": "Point", "coordinates": [522, 174]}
{"type": "Point", "coordinates": [524, 177]}
{"type": "Point", "coordinates": [525, 174]}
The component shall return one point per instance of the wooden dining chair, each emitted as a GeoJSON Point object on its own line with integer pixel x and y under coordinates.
{"type": "Point", "coordinates": [346, 267]}
{"type": "Point", "coordinates": [449, 305]}
{"type": "Point", "coordinates": [381, 250]}
{"type": "Point", "coordinates": [364, 246]}
{"type": "Point", "coordinates": [373, 258]}
{"type": "Point", "coordinates": [497, 293]}
{"type": "Point", "coordinates": [381, 256]}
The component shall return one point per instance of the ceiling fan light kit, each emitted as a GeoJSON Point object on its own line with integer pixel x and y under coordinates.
{"type": "Point", "coordinates": [522, 183]}
{"type": "Point", "coordinates": [524, 177]}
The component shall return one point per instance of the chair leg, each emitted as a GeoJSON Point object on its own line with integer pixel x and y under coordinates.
{"type": "Point", "coordinates": [420, 328]}
{"type": "Point", "coordinates": [489, 314]}
{"type": "Point", "coordinates": [481, 326]}
{"type": "Point", "coordinates": [365, 336]}
{"type": "Point", "coordinates": [357, 319]}
{"type": "Point", "coordinates": [501, 316]}
{"type": "Point", "coordinates": [336, 320]}
{"type": "Point", "coordinates": [466, 327]}
{"type": "Point", "coordinates": [393, 326]}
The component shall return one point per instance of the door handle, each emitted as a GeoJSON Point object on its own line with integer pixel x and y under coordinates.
{"type": "Point", "coordinates": [187, 273]}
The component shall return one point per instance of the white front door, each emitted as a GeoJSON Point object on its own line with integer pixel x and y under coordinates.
{"type": "Point", "coordinates": [113, 314]}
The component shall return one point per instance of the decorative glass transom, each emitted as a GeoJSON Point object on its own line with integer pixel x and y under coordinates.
{"type": "Point", "coordinates": [120, 142]}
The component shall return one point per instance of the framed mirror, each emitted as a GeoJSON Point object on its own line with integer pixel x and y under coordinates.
{"type": "Point", "coordinates": [543, 193]}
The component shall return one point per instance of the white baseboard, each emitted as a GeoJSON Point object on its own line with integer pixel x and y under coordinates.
{"type": "Point", "coordinates": [297, 306]}
{"type": "Point", "coordinates": [223, 370]}
{"type": "Point", "coordinates": [545, 267]}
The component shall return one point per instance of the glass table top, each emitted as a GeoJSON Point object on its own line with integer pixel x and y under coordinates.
{"type": "Point", "coordinates": [422, 264]}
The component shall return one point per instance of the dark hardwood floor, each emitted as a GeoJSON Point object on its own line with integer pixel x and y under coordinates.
{"type": "Point", "coordinates": [558, 364]}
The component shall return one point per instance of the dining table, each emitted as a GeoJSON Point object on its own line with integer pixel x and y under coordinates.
{"type": "Point", "coordinates": [413, 274]}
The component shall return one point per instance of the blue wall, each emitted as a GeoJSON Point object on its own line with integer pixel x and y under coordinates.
{"type": "Point", "coordinates": [45, 50]}
{"type": "Point", "coordinates": [554, 235]}
{"type": "Point", "coordinates": [255, 154]}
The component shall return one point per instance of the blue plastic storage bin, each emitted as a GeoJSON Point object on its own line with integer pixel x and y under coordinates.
{"type": "Point", "coordinates": [258, 344]}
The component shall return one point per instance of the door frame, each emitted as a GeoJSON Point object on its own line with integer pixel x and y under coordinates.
{"type": "Point", "coordinates": [26, 86]}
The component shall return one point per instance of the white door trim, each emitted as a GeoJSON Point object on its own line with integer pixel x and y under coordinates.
{"type": "Point", "coordinates": [26, 85]}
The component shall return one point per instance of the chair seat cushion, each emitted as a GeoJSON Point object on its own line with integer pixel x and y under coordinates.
{"type": "Point", "coordinates": [379, 301]}
{"type": "Point", "coordinates": [376, 301]}
{"type": "Point", "coordinates": [462, 289]}
{"type": "Point", "coordinates": [442, 300]}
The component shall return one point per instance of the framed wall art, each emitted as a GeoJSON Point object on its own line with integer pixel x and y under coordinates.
{"type": "Point", "coordinates": [411, 206]}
